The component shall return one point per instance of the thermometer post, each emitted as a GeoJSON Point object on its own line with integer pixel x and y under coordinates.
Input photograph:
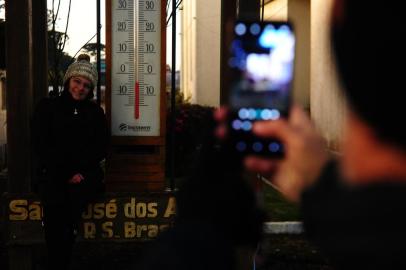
{"type": "Point", "coordinates": [135, 93]}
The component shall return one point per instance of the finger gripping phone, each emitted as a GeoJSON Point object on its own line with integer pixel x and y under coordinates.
{"type": "Point", "coordinates": [261, 64]}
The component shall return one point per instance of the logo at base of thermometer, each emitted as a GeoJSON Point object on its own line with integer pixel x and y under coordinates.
{"type": "Point", "coordinates": [123, 127]}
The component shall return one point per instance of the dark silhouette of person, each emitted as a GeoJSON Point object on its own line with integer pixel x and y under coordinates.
{"type": "Point", "coordinates": [70, 140]}
{"type": "Point", "coordinates": [352, 206]}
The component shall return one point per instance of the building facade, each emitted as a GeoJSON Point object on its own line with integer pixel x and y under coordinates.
{"type": "Point", "coordinates": [200, 35]}
{"type": "Point", "coordinates": [315, 85]}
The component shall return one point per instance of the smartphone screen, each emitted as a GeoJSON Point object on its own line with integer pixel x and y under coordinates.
{"type": "Point", "coordinates": [261, 63]}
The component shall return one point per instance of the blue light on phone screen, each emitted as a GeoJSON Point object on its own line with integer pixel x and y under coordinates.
{"type": "Point", "coordinates": [241, 146]}
{"type": "Point", "coordinates": [266, 114]}
{"type": "Point", "coordinates": [240, 29]}
{"type": "Point", "coordinates": [243, 113]}
{"type": "Point", "coordinates": [257, 147]}
{"type": "Point", "coordinates": [246, 126]}
{"type": "Point", "coordinates": [274, 147]}
{"type": "Point", "coordinates": [269, 37]}
{"type": "Point", "coordinates": [255, 29]}
{"type": "Point", "coordinates": [236, 124]}
{"type": "Point", "coordinates": [275, 114]}
{"type": "Point", "coordinates": [252, 114]}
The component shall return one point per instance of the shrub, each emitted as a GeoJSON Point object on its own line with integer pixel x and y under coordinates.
{"type": "Point", "coordinates": [192, 125]}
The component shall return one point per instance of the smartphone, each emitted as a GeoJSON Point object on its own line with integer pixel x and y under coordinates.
{"type": "Point", "coordinates": [261, 63]}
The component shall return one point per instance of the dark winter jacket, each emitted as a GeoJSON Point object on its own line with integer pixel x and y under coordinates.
{"type": "Point", "coordinates": [357, 227]}
{"type": "Point", "coordinates": [69, 137]}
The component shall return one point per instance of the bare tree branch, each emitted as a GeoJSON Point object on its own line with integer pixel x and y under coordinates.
{"type": "Point", "coordinates": [55, 15]}
{"type": "Point", "coordinates": [84, 46]}
{"type": "Point", "coordinates": [66, 28]}
{"type": "Point", "coordinates": [168, 4]}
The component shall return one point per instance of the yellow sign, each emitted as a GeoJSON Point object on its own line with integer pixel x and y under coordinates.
{"type": "Point", "coordinates": [111, 217]}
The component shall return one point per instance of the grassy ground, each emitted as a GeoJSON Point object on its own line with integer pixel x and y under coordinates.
{"type": "Point", "coordinates": [278, 208]}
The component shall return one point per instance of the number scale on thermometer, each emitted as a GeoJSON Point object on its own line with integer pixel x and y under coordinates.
{"type": "Point", "coordinates": [135, 67]}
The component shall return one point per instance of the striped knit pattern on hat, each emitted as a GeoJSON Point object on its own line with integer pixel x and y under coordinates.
{"type": "Point", "coordinates": [83, 68]}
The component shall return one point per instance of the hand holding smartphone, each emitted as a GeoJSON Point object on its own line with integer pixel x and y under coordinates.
{"type": "Point", "coordinates": [261, 63]}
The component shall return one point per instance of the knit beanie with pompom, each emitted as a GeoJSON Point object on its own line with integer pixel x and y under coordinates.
{"type": "Point", "coordinates": [83, 68]}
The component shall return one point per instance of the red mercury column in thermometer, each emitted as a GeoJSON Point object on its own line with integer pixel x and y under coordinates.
{"type": "Point", "coordinates": [137, 101]}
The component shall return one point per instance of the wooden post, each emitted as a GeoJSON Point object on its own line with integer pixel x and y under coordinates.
{"type": "Point", "coordinates": [20, 87]}
{"type": "Point", "coordinates": [26, 60]}
{"type": "Point", "coordinates": [19, 65]}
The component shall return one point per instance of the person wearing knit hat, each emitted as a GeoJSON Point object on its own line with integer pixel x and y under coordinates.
{"type": "Point", "coordinates": [82, 67]}
{"type": "Point", "coordinates": [69, 141]}
{"type": "Point", "coordinates": [84, 73]}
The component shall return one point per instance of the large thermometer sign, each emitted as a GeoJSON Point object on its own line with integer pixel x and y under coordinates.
{"type": "Point", "coordinates": [135, 67]}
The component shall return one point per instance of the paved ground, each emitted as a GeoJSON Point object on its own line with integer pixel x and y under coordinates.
{"type": "Point", "coordinates": [279, 252]}
{"type": "Point", "coordinates": [291, 252]}
{"type": "Point", "coordinates": [287, 252]}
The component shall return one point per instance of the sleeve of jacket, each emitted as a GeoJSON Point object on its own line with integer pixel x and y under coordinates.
{"type": "Point", "coordinates": [320, 202]}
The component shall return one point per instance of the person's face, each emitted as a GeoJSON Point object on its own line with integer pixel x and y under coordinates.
{"type": "Point", "coordinates": [79, 87]}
